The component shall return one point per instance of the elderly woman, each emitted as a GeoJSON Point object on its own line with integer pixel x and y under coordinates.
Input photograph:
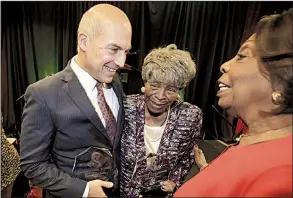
{"type": "Point", "coordinates": [256, 86]}
{"type": "Point", "coordinates": [160, 130]}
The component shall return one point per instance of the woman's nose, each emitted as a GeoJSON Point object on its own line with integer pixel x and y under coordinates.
{"type": "Point", "coordinates": [225, 67]}
{"type": "Point", "coordinates": [161, 94]}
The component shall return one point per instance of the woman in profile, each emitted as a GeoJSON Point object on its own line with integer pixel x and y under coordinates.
{"type": "Point", "coordinates": [256, 86]}
{"type": "Point", "coordinates": [160, 130]}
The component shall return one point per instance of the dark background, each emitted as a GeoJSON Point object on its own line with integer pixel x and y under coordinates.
{"type": "Point", "coordinates": [38, 39]}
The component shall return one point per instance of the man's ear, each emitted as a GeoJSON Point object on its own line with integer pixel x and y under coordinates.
{"type": "Point", "coordinates": [82, 41]}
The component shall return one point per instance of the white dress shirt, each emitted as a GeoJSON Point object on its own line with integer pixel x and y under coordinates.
{"type": "Point", "coordinates": [89, 85]}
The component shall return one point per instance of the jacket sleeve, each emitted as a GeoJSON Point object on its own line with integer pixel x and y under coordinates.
{"type": "Point", "coordinates": [185, 158]}
{"type": "Point", "coordinates": [36, 140]}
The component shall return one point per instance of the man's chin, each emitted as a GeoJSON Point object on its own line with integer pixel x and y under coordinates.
{"type": "Point", "coordinates": [106, 80]}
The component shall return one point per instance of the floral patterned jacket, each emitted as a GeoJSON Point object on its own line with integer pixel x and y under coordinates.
{"type": "Point", "coordinates": [175, 154]}
{"type": "Point", "coordinates": [10, 167]}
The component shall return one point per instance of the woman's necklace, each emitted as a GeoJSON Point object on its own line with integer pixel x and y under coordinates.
{"type": "Point", "coordinates": [265, 136]}
{"type": "Point", "coordinates": [153, 121]}
{"type": "Point", "coordinates": [166, 117]}
{"type": "Point", "coordinates": [161, 131]}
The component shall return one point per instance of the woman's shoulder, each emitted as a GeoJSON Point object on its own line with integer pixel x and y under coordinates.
{"type": "Point", "coordinates": [189, 109]}
{"type": "Point", "coordinates": [133, 98]}
{"type": "Point", "coordinates": [133, 102]}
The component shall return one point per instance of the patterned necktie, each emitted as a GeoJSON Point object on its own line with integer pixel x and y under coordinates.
{"type": "Point", "coordinates": [107, 113]}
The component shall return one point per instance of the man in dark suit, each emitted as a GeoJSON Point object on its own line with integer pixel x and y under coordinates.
{"type": "Point", "coordinates": [72, 121]}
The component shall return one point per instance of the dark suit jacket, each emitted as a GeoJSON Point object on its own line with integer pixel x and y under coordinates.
{"type": "Point", "coordinates": [63, 141]}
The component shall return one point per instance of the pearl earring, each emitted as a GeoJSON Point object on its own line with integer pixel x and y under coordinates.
{"type": "Point", "coordinates": [142, 89]}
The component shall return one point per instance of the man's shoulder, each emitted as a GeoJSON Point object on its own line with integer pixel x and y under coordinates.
{"type": "Point", "coordinates": [47, 86]}
{"type": "Point", "coordinates": [49, 82]}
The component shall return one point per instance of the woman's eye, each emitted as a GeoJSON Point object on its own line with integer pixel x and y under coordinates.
{"type": "Point", "coordinates": [240, 56]}
{"type": "Point", "coordinates": [172, 91]}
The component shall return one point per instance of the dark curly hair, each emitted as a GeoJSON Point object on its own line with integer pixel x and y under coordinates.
{"type": "Point", "coordinates": [274, 48]}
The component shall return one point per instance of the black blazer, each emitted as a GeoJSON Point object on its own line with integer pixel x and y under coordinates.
{"type": "Point", "coordinates": [63, 141]}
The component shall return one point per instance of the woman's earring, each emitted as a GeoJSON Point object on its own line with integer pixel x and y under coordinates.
{"type": "Point", "coordinates": [142, 89]}
{"type": "Point", "coordinates": [277, 97]}
{"type": "Point", "coordinates": [179, 97]}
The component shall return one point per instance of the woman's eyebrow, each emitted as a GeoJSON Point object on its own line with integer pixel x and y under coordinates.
{"type": "Point", "coordinates": [245, 45]}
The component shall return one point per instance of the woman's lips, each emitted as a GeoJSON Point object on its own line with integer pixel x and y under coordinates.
{"type": "Point", "coordinates": [157, 104]}
{"type": "Point", "coordinates": [223, 91]}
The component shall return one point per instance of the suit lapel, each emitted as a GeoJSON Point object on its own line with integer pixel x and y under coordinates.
{"type": "Point", "coordinates": [140, 144]}
{"type": "Point", "coordinates": [78, 95]}
{"type": "Point", "coordinates": [117, 87]}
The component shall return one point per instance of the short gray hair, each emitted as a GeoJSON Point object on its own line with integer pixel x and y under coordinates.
{"type": "Point", "coordinates": [169, 65]}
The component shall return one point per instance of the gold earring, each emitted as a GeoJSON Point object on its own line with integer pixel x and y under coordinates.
{"type": "Point", "coordinates": [277, 97]}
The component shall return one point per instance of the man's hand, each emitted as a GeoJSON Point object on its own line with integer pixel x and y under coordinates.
{"type": "Point", "coordinates": [168, 186]}
{"type": "Point", "coordinates": [96, 190]}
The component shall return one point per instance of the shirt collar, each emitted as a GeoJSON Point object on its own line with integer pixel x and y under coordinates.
{"type": "Point", "coordinates": [88, 82]}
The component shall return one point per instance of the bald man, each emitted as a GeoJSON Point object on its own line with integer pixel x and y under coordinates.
{"type": "Point", "coordinates": [72, 121]}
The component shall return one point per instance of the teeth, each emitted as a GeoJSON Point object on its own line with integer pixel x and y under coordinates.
{"type": "Point", "coordinates": [223, 88]}
{"type": "Point", "coordinates": [223, 85]}
{"type": "Point", "coordinates": [111, 70]}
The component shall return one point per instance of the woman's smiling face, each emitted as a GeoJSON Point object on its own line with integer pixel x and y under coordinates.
{"type": "Point", "coordinates": [242, 82]}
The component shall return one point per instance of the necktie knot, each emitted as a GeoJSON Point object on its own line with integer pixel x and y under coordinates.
{"type": "Point", "coordinates": [99, 85]}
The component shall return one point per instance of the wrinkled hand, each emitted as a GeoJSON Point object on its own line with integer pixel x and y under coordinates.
{"type": "Point", "coordinates": [168, 186]}
{"type": "Point", "coordinates": [96, 190]}
{"type": "Point", "coordinates": [199, 157]}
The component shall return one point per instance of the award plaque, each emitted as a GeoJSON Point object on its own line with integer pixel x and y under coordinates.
{"type": "Point", "coordinates": [95, 163]}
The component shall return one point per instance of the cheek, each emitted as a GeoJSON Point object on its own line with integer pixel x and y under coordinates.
{"type": "Point", "coordinates": [102, 58]}
{"type": "Point", "coordinates": [148, 93]}
{"type": "Point", "coordinates": [252, 88]}
{"type": "Point", "coordinates": [105, 57]}
{"type": "Point", "coordinates": [245, 78]}
{"type": "Point", "coordinates": [173, 98]}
